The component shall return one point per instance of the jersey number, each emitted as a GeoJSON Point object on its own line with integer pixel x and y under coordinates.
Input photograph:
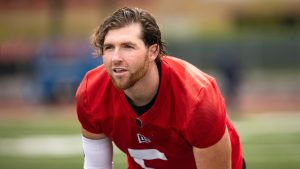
{"type": "Point", "coordinates": [139, 155]}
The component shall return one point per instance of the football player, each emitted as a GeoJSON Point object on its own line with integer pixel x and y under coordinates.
{"type": "Point", "coordinates": [161, 111]}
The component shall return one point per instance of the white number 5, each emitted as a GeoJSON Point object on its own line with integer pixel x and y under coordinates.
{"type": "Point", "coordinates": [139, 155]}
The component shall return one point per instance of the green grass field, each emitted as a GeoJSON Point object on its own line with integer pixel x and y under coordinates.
{"type": "Point", "coordinates": [52, 140]}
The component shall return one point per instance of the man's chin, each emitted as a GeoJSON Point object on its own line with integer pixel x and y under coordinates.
{"type": "Point", "coordinates": [121, 86]}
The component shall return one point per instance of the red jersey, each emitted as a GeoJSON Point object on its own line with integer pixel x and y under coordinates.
{"type": "Point", "coordinates": [188, 111]}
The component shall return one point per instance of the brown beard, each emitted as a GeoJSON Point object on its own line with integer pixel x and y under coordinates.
{"type": "Point", "coordinates": [133, 77]}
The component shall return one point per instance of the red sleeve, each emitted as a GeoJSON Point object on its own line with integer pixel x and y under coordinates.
{"type": "Point", "coordinates": [207, 121]}
{"type": "Point", "coordinates": [86, 117]}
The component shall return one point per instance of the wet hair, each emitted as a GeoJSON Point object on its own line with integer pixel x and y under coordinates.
{"type": "Point", "coordinates": [123, 17]}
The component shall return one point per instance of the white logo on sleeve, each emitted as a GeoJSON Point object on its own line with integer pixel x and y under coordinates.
{"type": "Point", "coordinates": [143, 139]}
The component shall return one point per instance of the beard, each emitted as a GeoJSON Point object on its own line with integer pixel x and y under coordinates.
{"type": "Point", "coordinates": [128, 82]}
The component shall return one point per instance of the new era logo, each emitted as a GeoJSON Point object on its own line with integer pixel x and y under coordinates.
{"type": "Point", "coordinates": [142, 138]}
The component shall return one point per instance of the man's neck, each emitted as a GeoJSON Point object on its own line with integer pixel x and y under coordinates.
{"type": "Point", "coordinates": [146, 88]}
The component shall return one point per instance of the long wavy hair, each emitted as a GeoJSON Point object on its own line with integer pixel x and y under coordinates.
{"type": "Point", "coordinates": [150, 30]}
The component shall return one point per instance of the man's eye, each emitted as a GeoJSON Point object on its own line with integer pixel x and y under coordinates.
{"type": "Point", "coordinates": [107, 47]}
{"type": "Point", "coordinates": [128, 46]}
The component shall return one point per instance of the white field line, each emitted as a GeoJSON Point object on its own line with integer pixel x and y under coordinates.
{"type": "Point", "coordinates": [268, 124]}
{"type": "Point", "coordinates": [54, 145]}
{"type": "Point", "coordinates": [71, 144]}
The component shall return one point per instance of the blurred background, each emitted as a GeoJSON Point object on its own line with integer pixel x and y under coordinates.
{"type": "Point", "coordinates": [251, 47]}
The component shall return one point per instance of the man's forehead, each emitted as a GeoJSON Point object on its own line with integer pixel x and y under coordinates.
{"type": "Point", "coordinates": [132, 31]}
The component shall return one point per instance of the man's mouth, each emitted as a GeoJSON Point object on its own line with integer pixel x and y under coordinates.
{"type": "Point", "coordinates": [119, 70]}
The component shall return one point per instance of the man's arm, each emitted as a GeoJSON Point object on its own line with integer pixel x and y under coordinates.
{"type": "Point", "coordinates": [217, 156]}
{"type": "Point", "coordinates": [97, 151]}
{"type": "Point", "coordinates": [92, 136]}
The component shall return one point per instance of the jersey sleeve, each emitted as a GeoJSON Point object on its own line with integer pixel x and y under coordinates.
{"type": "Point", "coordinates": [86, 117]}
{"type": "Point", "coordinates": [207, 121]}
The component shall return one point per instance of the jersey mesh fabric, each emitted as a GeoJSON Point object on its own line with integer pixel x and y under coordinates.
{"type": "Point", "coordinates": [189, 111]}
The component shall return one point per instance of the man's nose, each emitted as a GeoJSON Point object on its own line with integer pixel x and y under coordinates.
{"type": "Point", "coordinates": [116, 57]}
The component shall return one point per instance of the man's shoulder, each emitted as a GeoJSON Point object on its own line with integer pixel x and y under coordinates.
{"type": "Point", "coordinates": [187, 74]}
{"type": "Point", "coordinates": [97, 76]}
{"type": "Point", "coordinates": [95, 81]}
{"type": "Point", "coordinates": [96, 72]}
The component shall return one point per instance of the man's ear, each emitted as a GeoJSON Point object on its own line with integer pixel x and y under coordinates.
{"type": "Point", "coordinates": [153, 51]}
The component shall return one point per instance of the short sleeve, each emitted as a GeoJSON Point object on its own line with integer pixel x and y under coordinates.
{"type": "Point", "coordinates": [206, 123]}
{"type": "Point", "coordinates": [86, 117]}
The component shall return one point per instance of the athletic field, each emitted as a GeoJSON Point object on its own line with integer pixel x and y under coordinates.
{"type": "Point", "coordinates": [48, 138]}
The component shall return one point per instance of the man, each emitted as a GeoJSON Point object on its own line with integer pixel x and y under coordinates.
{"type": "Point", "coordinates": [159, 110]}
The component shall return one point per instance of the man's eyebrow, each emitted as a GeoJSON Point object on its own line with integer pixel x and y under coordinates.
{"type": "Point", "coordinates": [107, 44]}
{"type": "Point", "coordinates": [128, 43]}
